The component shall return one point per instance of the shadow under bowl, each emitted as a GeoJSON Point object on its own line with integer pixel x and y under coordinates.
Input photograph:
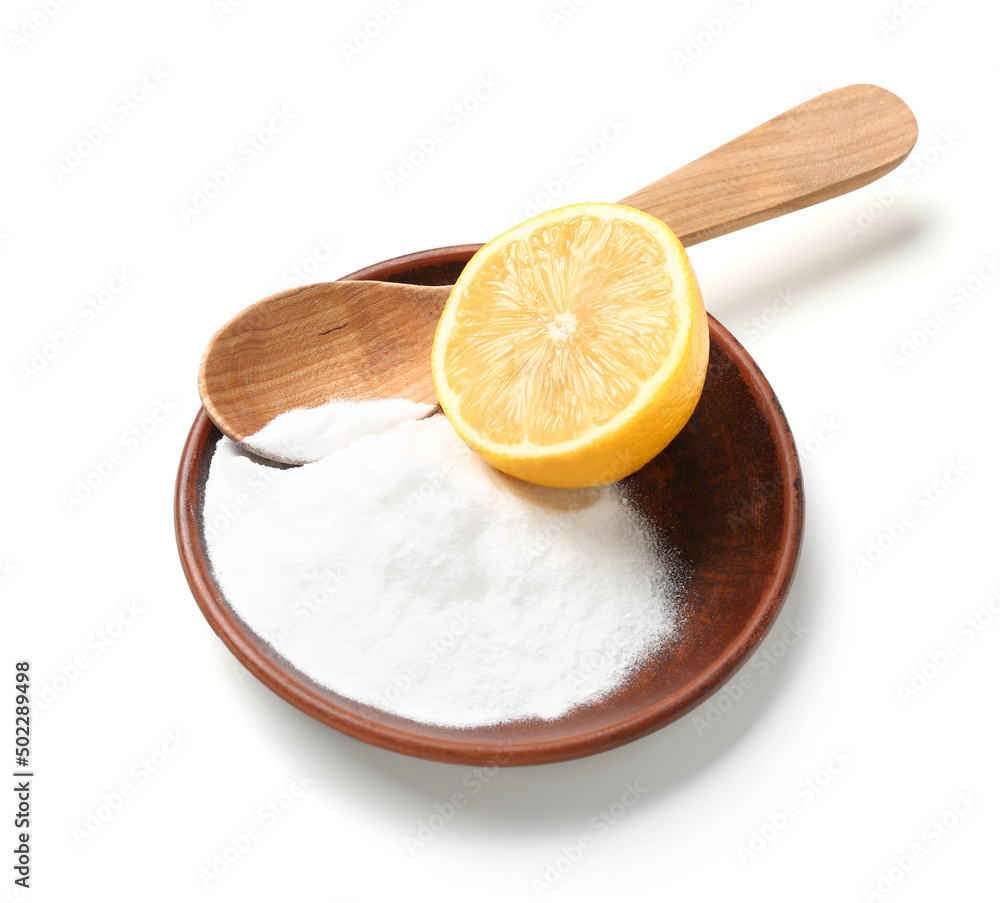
{"type": "Point", "coordinates": [726, 494]}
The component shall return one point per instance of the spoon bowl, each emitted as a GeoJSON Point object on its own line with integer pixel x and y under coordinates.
{"type": "Point", "coordinates": [726, 495]}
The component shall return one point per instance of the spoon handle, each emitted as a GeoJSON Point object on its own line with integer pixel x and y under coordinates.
{"type": "Point", "coordinates": [823, 148]}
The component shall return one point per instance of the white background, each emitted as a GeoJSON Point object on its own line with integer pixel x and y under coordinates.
{"type": "Point", "coordinates": [863, 270]}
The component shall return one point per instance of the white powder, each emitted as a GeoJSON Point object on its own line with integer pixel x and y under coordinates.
{"type": "Point", "coordinates": [403, 572]}
{"type": "Point", "coordinates": [308, 434]}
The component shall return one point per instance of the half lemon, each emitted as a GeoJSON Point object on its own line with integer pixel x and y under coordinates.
{"type": "Point", "coordinates": [573, 347]}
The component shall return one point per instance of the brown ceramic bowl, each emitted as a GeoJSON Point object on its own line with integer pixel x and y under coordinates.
{"type": "Point", "coordinates": [727, 492]}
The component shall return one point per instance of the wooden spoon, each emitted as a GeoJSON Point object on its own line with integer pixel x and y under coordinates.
{"type": "Point", "coordinates": [366, 340]}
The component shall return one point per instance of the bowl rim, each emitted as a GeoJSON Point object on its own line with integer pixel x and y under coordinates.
{"type": "Point", "coordinates": [306, 697]}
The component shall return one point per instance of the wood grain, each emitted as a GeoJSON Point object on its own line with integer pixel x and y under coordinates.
{"type": "Point", "coordinates": [305, 346]}
{"type": "Point", "coordinates": [825, 147]}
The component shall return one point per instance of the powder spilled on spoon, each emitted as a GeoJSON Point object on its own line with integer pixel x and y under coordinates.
{"type": "Point", "coordinates": [304, 435]}
{"type": "Point", "coordinates": [402, 571]}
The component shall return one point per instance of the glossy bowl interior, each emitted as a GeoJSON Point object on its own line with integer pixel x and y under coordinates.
{"type": "Point", "coordinates": [726, 493]}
